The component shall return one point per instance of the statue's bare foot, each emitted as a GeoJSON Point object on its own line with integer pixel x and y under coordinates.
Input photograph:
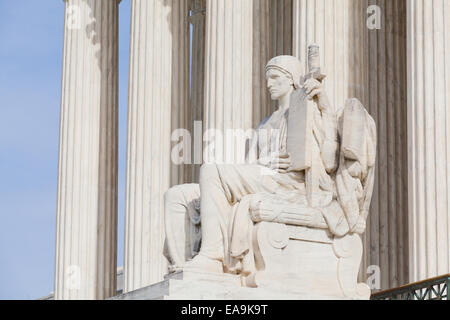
{"type": "Point", "coordinates": [204, 264]}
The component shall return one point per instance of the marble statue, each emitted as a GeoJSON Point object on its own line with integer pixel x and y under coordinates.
{"type": "Point", "coordinates": [290, 226]}
{"type": "Point", "coordinates": [291, 217]}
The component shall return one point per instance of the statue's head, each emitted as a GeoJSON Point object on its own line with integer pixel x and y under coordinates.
{"type": "Point", "coordinates": [283, 75]}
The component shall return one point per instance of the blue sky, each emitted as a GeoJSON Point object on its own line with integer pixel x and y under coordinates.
{"type": "Point", "coordinates": [31, 34]}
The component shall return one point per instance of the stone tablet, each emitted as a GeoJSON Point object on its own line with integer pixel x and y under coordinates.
{"type": "Point", "coordinates": [299, 139]}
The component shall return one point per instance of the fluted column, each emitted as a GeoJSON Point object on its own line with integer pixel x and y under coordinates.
{"type": "Point", "coordinates": [281, 28]}
{"type": "Point", "coordinates": [387, 233]}
{"type": "Point", "coordinates": [181, 110]}
{"type": "Point", "coordinates": [272, 36]}
{"type": "Point", "coordinates": [428, 137]}
{"type": "Point", "coordinates": [228, 74]}
{"type": "Point", "coordinates": [262, 106]}
{"type": "Point", "coordinates": [197, 92]}
{"type": "Point", "coordinates": [338, 28]}
{"type": "Point", "coordinates": [86, 227]}
{"type": "Point", "coordinates": [148, 144]}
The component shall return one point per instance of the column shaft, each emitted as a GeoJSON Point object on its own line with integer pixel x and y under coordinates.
{"type": "Point", "coordinates": [281, 15]}
{"type": "Point", "coordinates": [428, 137]}
{"type": "Point", "coordinates": [281, 28]}
{"type": "Point", "coordinates": [272, 36]}
{"type": "Point", "coordinates": [333, 25]}
{"type": "Point", "coordinates": [86, 234]}
{"type": "Point", "coordinates": [197, 91]}
{"type": "Point", "coordinates": [228, 74]}
{"type": "Point", "coordinates": [148, 145]}
{"type": "Point", "coordinates": [181, 110]}
{"type": "Point", "coordinates": [262, 106]}
{"type": "Point", "coordinates": [387, 239]}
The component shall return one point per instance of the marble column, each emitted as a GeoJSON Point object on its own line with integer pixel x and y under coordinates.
{"type": "Point", "coordinates": [281, 15]}
{"type": "Point", "coordinates": [338, 28]}
{"type": "Point", "coordinates": [280, 34]}
{"type": "Point", "coordinates": [386, 237]}
{"type": "Point", "coordinates": [272, 36]}
{"type": "Point", "coordinates": [181, 110]}
{"type": "Point", "coordinates": [428, 137]}
{"type": "Point", "coordinates": [228, 74]}
{"type": "Point", "coordinates": [86, 226]}
{"type": "Point", "coordinates": [197, 92]}
{"type": "Point", "coordinates": [262, 106]}
{"type": "Point", "coordinates": [149, 134]}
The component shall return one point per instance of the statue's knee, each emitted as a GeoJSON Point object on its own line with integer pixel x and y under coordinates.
{"type": "Point", "coordinates": [173, 195]}
{"type": "Point", "coordinates": [208, 170]}
{"type": "Point", "coordinates": [181, 194]}
{"type": "Point", "coordinates": [207, 167]}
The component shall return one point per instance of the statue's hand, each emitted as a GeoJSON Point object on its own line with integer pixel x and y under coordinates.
{"type": "Point", "coordinates": [314, 90]}
{"type": "Point", "coordinates": [278, 161]}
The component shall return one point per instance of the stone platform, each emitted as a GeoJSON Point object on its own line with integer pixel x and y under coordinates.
{"type": "Point", "coordinates": [189, 285]}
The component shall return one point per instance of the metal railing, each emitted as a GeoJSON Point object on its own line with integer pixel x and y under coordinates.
{"type": "Point", "coordinates": [430, 289]}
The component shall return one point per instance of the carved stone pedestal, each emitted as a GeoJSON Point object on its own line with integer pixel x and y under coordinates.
{"type": "Point", "coordinates": [190, 285]}
{"type": "Point", "coordinates": [302, 260]}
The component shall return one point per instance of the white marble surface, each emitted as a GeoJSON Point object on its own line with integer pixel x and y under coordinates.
{"type": "Point", "coordinates": [357, 62]}
{"type": "Point", "coordinates": [428, 138]}
{"type": "Point", "coordinates": [194, 286]}
{"type": "Point", "coordinates": [317, 189]}
{"type": "Point", "coordinates": [86, 226]}
{"type": "Point", "coordinates": [154, 25]}
{"type": "Point", "coordinates": [228, 71]}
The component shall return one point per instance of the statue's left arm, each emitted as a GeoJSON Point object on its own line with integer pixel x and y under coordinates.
{"type": "Point", "coordinates": [326, 131]}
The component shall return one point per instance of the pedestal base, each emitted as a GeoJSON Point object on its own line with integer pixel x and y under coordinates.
{"type": "Point", "coordinates": [188, 285]}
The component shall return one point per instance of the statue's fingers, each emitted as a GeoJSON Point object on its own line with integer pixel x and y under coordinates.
{"type": "Point", "coordinates": [278, 165]}
{"type": "Point", "coordinates": [314, 86]}
{"type": "Point", "coordinates": [273, 166]}
{"type": "Point", "coordinates": [313, 93]}
{"type": "Point", "coordinates": [284, 160]}
{"type": "Point", "coordinates": [308, 90]}
{"type": "Point", "coordinates": [279, 154]}
{"type": "Point", "coordinates": [283, 165]}
{"type": "Point", "coordinates": [310, 85]}
{"type": "Point", "coordinates": [275, 155]}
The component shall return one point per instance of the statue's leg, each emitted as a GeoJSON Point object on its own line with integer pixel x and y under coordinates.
{"type": "Point", "coordinates": [215, 212]}
{"type": "Point", "coordinates": [178, 204]}
{"type": "Point", "coordinates": [221, 186]}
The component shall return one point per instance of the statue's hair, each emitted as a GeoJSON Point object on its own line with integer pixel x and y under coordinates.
{"type": "Point", "coordinates": [289, 65]}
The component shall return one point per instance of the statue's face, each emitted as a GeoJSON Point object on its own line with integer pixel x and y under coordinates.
{"type": "Point", "coordinates": [278, 83]}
